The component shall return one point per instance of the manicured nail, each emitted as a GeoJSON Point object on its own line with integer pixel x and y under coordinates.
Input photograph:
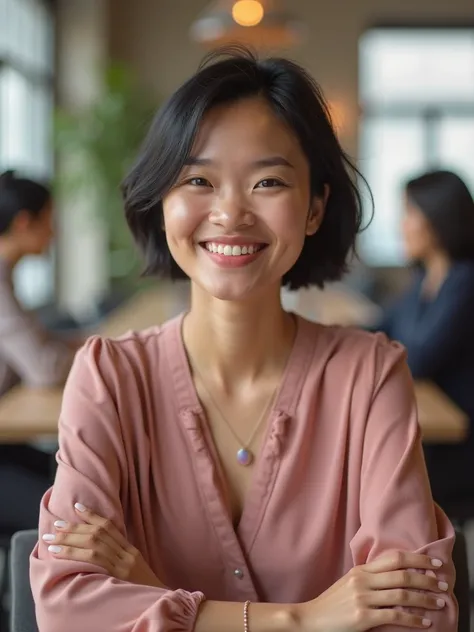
{"type": "Point", "coordinates": [54, 549]}
{"type": "Point", "coordinates": [60, 524]}
{"type": "Point", "coordinates": [442, 585]}
{"type": "Point", "coordinates": [49, 537]}
{"type": "Point", "coordinates": [440, 603]}
{"type": "Point", "coordinates": [426, 623]}
{"type": "Point", "coordinates": [79, 507]}
{"type": "Point", "coordinates": [437, 563]}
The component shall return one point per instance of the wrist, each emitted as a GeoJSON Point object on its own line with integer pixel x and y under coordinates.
{"type": "Point", "coordinates": [287, 618]}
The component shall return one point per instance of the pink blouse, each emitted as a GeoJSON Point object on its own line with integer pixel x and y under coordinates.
{"type": "Point", "coordinates": [340, 479]}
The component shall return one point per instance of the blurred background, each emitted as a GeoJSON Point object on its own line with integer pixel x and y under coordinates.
{"type": "Point", "coordinates": [399, 77]}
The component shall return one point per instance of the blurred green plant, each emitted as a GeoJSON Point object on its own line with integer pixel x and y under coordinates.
{"type": "Point", "coordinates": [97, 144]}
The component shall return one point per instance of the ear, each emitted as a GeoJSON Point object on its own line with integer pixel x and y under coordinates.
{"type": "Point", "coordinates": [316, 211]}
{"type": "Point", "coordinates": [21, 222]}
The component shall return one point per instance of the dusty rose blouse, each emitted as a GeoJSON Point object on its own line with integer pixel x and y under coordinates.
{"type": "Point", "coordinates": [340, 479]}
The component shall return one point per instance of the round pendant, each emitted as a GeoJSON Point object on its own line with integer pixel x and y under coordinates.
{"type": "Point", "coordinates": [244, 457]}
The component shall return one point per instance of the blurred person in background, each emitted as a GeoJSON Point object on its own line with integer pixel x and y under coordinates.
{"type": "Point", "coordinates": [434, 319]}
{"type": "Point", "coordinates": [28, 353]}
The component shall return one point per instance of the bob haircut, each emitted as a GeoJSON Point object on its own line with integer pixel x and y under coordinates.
{"type": "Point", "coordinates": [20, 194]}
{"type": "Point", "coordinates": [445, 201]}
{"type": "Point", "coordinates": [227, 76]}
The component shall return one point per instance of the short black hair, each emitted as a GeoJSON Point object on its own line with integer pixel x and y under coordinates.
{"type": "Point", "coordinates": [227, 76]}
{"type": "Point", "coordinates": [20, 194]}
{"type": "Point", "coordinates": [445, 200]}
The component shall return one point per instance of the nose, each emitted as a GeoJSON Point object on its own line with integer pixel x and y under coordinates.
{"type": "Point", "coordinates": [231, 212]}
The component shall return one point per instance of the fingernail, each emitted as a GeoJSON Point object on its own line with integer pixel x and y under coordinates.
{"type": "Point", "coordinates": [61, 524]}
{"type": "Point", "coordinates": [431, 574]}
{"type": "Point", "coordinates": [79, 507]}
{"type": "Point", "coordinates": [426, 623]}
{"type": "Point", "coordinates": [442, 585]}
{"type": "Point", "coordinates": [437, 563]}
{"type": "Point", "coordinates": [440, 602]}
{"type": "Point", "coordinates": [49, 537]}
{"type": "Point", "coordinates": [54, 549]}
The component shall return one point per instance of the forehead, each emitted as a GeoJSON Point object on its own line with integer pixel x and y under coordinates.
{"type": "Point", "coordinates": [245, 127]}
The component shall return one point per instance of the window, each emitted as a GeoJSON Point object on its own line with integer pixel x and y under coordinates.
{"type": "Point", "coordinates": [416, 91]}
{"type": "Point", "coordinates": [26, 106]}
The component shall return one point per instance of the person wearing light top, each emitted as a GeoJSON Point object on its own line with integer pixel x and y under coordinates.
{"type": "Point", "coordinates": [240, 468]}
{"type": "Point", "coordinates": [28, 352]}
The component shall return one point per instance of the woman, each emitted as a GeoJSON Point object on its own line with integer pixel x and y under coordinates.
{"type": "Point", "coordinates": [434, 319]}
{"type": "Point", "coordinates": [239, 467]}
{"type": "Point", "coordinates": [27, 352]}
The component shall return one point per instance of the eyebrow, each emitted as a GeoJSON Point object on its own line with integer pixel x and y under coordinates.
{"type": "Point", "coordinates": [270, 161]}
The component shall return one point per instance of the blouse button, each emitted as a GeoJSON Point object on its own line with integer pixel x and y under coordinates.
{"type": "Point", "coordinates": [238, 573]}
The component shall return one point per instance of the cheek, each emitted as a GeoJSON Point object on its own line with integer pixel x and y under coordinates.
{"type": "Point", "coordinates": [180, 217]}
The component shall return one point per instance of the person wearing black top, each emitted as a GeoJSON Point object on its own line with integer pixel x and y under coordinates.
{"type": "Point", "coordinates": [434, 319]}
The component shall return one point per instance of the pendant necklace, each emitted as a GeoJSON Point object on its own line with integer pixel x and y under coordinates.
{"type": "Point", "coordinates": [244, 455]}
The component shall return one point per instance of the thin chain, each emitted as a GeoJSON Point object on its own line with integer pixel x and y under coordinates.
{"type": "Point", "coordinates": [262, 417]}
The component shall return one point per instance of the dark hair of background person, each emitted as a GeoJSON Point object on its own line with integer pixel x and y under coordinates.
{"type": "Point", "coordinates": [447, 204]}
{"type": "Point", "coordinates": [227, 76]}
{"type": "Point", "coordinates": [20, 194]}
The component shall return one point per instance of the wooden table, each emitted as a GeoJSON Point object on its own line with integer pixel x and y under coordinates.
{"type": "Point", "coordinates": [27, 413]}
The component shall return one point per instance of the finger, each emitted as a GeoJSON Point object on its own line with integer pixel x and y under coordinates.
{"type": "Point", "coordinates": [107, 525]}
{"type": "Point", "coordinates": [399, 618]}
{"type": "Point", "coordinates": [90, 556]}
{"type": "Point", "coordinates": [405, 598]}
{"type": "Point", "coordinates": [82, 541]}
{"type": "Point", "coordinates": [394, 560]}
{"type": "Point", "coordinates": [94, 533]}
{"type": "Point", "coordinates": [406, 579]}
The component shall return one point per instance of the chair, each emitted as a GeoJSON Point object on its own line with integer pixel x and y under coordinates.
{"type": "Point", "coordinates": [462, 588]}
{"type": "Point", "coordinates": [23, 617]}
{"type": "Point", "coordinates": [22, 613]}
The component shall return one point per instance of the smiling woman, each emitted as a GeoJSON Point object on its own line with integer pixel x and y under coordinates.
{"type": "Point", "coordinates": [240, 468]}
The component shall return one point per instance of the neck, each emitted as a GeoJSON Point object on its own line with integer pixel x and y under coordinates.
{"type": "Point", "coordinates": [234, 342]}
{"type": "Point", "coordinates": [9, 252]}
{"type": "Point", "coordinates": [437, 267]}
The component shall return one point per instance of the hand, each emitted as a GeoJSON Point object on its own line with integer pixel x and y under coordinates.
{"type": "Point", "coordinates": [371, 595]}
{"type": "Point", "coordinates": [97, 541]}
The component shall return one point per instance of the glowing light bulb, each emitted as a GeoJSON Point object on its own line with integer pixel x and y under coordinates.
{"type": "Point", "coordinates": [247, 12]}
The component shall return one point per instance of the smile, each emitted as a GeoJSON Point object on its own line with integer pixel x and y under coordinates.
{"type": "Point", "coordinates": [227, 255]}
{"type": "Point", "coordinates": [232, 251]}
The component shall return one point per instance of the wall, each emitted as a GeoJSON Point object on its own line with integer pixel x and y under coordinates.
{"type": "Point", "coordinates": [152, 36]}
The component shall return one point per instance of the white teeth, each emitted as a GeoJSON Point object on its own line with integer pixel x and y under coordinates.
{"type": "Point", "coordinates": [231, 251]}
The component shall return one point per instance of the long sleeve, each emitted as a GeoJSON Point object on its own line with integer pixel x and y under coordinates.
{"type": "Point", "coordinates": [396, 506]}
{"type": "Point", "coordinates": [35, 357]}
{"type": "Point", "coordinates": [75, 596]}
{"type": "Point", "coordinates": [439, 336]}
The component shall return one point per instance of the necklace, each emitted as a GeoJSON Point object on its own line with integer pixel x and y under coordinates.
{"type": "Point", "coordinates": [244, 455]}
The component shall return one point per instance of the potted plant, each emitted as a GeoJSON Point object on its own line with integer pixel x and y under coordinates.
{"type": "Point", "coordinates": [99, 142]}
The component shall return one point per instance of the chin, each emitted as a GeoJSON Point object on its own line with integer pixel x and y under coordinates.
{"type": "Point", "coordinates": [231, 291]}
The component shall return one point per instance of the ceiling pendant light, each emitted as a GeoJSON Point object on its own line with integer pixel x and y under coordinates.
{"type": "Point", "coordinates": [261, 24]}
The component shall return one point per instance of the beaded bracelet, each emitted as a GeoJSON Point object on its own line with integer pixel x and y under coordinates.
{"type": "Point", "coordinates": [246, 616]}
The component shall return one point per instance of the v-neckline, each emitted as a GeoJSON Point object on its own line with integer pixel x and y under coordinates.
{"type": "Point", "coordinates": [192, 413]}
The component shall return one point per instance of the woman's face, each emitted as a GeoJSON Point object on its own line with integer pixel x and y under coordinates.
{"type": "Point", "coordinates": [34, 233]}
{"type": "Point", "coordinates": [419, 238]}
{"type": "Point", "coordinates": [237, 217]}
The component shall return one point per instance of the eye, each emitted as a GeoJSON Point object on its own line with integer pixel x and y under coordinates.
{"type": "Point", "coordinates": [270, 183]}
{"type": "Point", "coordinates": [198, 182]}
